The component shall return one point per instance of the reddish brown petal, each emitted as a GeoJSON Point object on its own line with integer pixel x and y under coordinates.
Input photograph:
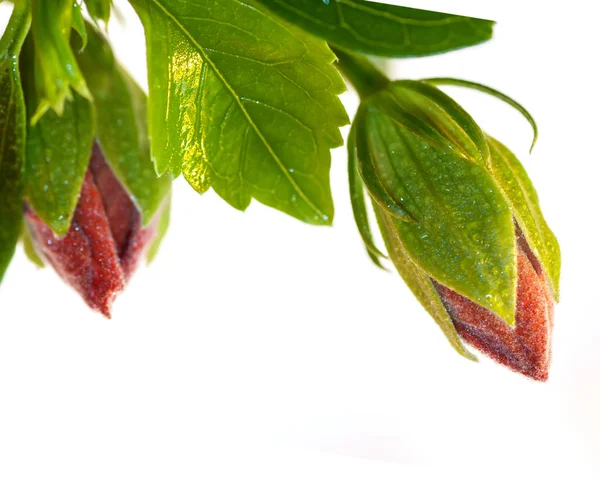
{"type": "Point", "coordinates": [120, 209]}
{"type": "Point", "coordinates": [85, 257]}
{"type": "Point", "coordinates": [131, 239]}
{"type": "Point", "coordinates": [524, 349]}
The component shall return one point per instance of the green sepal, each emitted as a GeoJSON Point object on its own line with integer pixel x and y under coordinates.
{"type": "Point", "coordinates": [79, 24]}
{"type": "Point", "coordinates": [419, 283]}
{"type": "Point", "coordinates": [357, 200]}
{"type": "Point", "coordinates": [492, 92]}
{"type": "Point", "coordinates": [437, 110]}
{"type": "Point", "coordinates": [376, 184]}
{"type": "Point", "coordinates": [161, 228]}
{"type": "Point", "coordinates": [57, 154]}
{"type": "Point", "coordinates": [462, 234]}
{"type": "Point", "coordinates": [56, 70]}
{"type": "Point", "coordinates": [13, 124]}
{"type": "Point", "coordinates": [242, 102]}
{"type": "Point", "coordinates": [121, 125]}
{"type": "Point", "coordinates": [381, 29]}
{"type": "Point", "coordinates": [514, 181]}
{"type": "Point", "coordinates": [99, 9]}
{"type": "Point", "coordinates": [29, 248]}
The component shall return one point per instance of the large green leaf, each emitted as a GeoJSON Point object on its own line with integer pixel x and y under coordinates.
{"type": "Point", "coordinates": [12, 138]}
{"type": "Point", "coordinates": [244, 102]}
{"type": "Point", "coordinates": [462, 234]}
{"type": "Point", "coordinates": [57, 153]}
{"type": "Point", "coordinates": [56, 70]}
{"type": "Point", "coordinates": [514, 181]}
{"type": "Point", "coordinates": [121, 125]}
{"type": "Point", "coordinates": [419, 283]}
{"type": "Point", "coordinates": [380, 29]}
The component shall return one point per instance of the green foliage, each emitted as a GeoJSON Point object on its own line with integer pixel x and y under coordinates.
{"type": "Point", "coordinates": [383, 30]}
{"type": "Point", "coordinates": [79, 24]}
{"type": "Point", "coordinates": [12, 141]}
{"type": "Point", "coordinates": [492, 92]}
{"type": "Point", "coordinates": [461, 233]}
{"type": "Point", "coordinates": [99, 9]}
{"type": "Point", "coordinates": [443, 120]}
{"type": "Point", "coordinates": [121, 125]}
{"type": "Point", "coordinates": [242, 102]}
{"type": "Point", "coordinates": [56, 70]}
{"type": "Point", "coordinates": [58, 152]}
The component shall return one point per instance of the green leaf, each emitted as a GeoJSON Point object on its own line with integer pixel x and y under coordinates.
{"type": "Point", "coordinates": [383, 30]}
{"type": "Point", "coordinates": [12, 140]}
{"type": "Point", "coordinates": [99, 9]}
{"type": "Point", "coordinates": [514, 181]}
{"type": "Point", "coordinates": [462, 234]}
{"type": "Point", "coordinates": [79, 24]}
{"type": "Point", "coordinates": [121, 125]}
{"type": "Point", "coordinates": [244, 102]}
{"type": "Point", "coordinates": [29, 248]}
{"type": "Point", "coordinates": [357, 199]}
{"type": "Point", "coordinates": [492, 92]}
{"type": "Point", "coordinates": [56, 70]}
{"type": "Point", "coordinates": [161, 229]}
{"type": "Point", "coordinates": [419, 283]}
{"type": "Point", "coordinates": [57, 153]}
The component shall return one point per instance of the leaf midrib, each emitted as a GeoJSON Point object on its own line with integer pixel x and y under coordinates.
{"type": "Point", "coordinates": [241, 106]}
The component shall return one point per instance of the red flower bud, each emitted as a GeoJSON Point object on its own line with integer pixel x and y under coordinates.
{"type": "Point", "coordinates": [524, 348]}
{"type": "Point", "coordinates": [105, 241]}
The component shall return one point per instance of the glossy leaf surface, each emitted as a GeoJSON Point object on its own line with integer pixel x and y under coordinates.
{"type": "Point", "coordinates": [121, 125]}
{"type": "Point", "coordinates": [381, 29]}
{"type": "Point", "coordinates": [12, 140]}
{"type": "Point", "coordinates": [462, 234]}
{"type": "Point", "coordinates": [242, 102]}
{"type": "Point", "coordinates": [514, 181]}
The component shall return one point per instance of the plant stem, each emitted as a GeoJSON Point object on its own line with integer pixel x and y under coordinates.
{"type": "Point", "coordinates": [360, 72]}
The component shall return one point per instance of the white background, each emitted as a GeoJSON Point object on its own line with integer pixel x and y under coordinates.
{"type": "Point", "coordinates": [257, 345]}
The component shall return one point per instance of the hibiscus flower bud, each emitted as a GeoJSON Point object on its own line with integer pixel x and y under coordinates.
{"type": "Point", "coordinates": [105, 241]}
{"type": "Point", "coordinates": [460, 220]}
{"type": "Point", "coordinates": [524, 348]}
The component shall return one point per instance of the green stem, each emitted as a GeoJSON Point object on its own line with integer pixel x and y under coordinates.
{"type": "Point", "coordinates": [360, 72]}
